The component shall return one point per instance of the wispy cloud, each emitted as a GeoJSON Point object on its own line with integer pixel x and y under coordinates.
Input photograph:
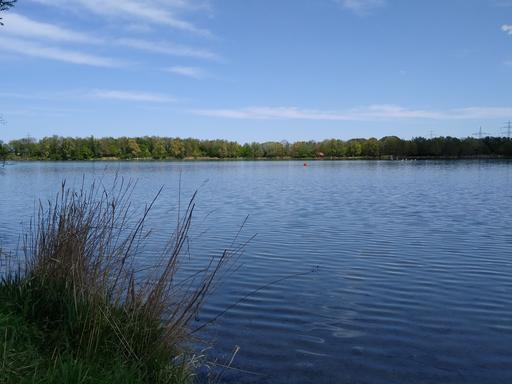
{"type": "Point", "coordinates": [30, 37]}
{"type": "Point", "coordinates": [43, 111]}
{"type": "Point", "coordinates": [503, 3]}
{"type": "Point", "coordinates": [35, 95]}
{"type": "Point", "coordinates": [507, 28]}
{"type": "Point", "coordinates": [167, 48]}
{"type": "Point", "coordinates": [157, 12]}
{"type": "Point", "coordinates": [271, 113]}
{"type": "Point", "coordinates": [88, 94]}
{"type": "Point", "coordinates": [136, 96]}
{"type": "Point", "coordinates": [19, 25]}
{"type": "Point", "coordinates": [34, 49]}
{"type": "Point", "coordinates": [193, 72]}
{"type": "Point", "coordinates": [362, 7]}
{"type": "Point", "coordinates": [368, 113]}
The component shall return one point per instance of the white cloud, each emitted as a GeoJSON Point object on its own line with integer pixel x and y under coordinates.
{"type": "Point", "coordinates": [481, 113]}
{"type": "Point", "coordinates": [131, 96]}
{"type": "Point", "coordinates": [194, 72]}
{"type": "Point", "coordinates": [60, 54]}
{"type": "Point", "coordinates": [503, 3]}
{"type": "Point", "coordinates": [157, 12]}
{"type": "Point", "coordinates": [167, 49]}
{"type": "Point", "coordinates": [88, 94]}
{"type": "Point", "coordinates": [362, 7]}
{"type": "Point", "coordinates": [368, 113]}
{"type": "Point", "coordinates": [19, 25]}
{"type": "Point", "coordinates": [34, 34]}
{"type": "Point", "coordinates": [271, 113]}
{"type": "Point", "coordinates": [31, 95]}
{"type": "Point", "coordinates": [30, 37]}
{"type": "Point", "coordinates": [507, 28]}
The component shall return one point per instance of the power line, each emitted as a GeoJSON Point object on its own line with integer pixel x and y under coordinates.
{"type": "Point", "coordinates": [480, 134]}
{"type": "Point", "coordinates": [507, 129]}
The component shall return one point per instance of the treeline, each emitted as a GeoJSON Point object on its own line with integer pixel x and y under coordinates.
{"type": "Point", "coordinates": [70, 148]}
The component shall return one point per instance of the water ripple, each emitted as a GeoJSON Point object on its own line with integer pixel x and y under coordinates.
{"type": "Point", "coordinates": [414, 278]}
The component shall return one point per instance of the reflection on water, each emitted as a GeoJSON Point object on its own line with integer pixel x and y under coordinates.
{"type": "Point", "coordinates": [414, 278]}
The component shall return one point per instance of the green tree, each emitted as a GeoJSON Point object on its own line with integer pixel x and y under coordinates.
{"type": "Point", "coordinates": [25, 148]}
{"type": "Point", "coordinates": [144, 144]}
{"type": "Point", "coordinates": [256, 150]}
{"type": "Point", "coordinates": [273, 150]}
{"type": "Point", "coordinates": [303, 149]}
{"type": "Point", "coordinates": [68, 149]}
{"type": "Point", "coordinates": [192, 148]}
{"type": "Point", "coordinates": [75, 148]}
{"type": "Point", "coordinates": [133, 149]}
{"type": "Point", "coordinates": [176, 149]}
{"type": "Point", "coordinates": [355, 149]}
{"type": "Point", "coordinates": [391, 146]}
{"type": "Point", "coordinates": [333, 148]}
{"type": "Point", "coordinates": [370, 147]}
{"type": "Point", "coordinates": [5, 5]}
{"type": "Point", "coordinates": [4, 151]}
{"type": "Point", "coordinates": [158, 149]}
{"type": "Point", "coordinates": [109, 147]}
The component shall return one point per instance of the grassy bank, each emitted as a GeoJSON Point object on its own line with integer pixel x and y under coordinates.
{"type": "Point", "coordinates": [77, 308]}
{"type": "Point", "coordinates": [48, 336]}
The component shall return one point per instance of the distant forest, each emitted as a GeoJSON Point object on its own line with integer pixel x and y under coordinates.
{"type": "Point", "coordinates": [389, 147]}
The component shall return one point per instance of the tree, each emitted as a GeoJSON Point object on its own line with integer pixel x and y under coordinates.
{"type": "Point", "coordinates": [133, 149]}
{"type": "Point", "coordinates": [355, 148]}
{"type": "Point", "coordinates": [391, 146]}
{"type": "Point", "coordinates": [4, 151]}
{"type": "Point", "coordinates": [76, 148]}
{"type": "Point", "coordinates": [158, 148]}
{"type": "Point", "coordinates": [303, 149]}
{"type": "Point", "coordinates": [273, 149]}
{"type": "Point", "coordinates": [176, 149]}
{"type": "Point", "coordinates": [370, 147]}
{"type": "Point", "coordinates": [5, 5]}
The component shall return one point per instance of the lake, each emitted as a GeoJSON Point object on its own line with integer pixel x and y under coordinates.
{"type": "Point", "coordinates": [360, 271]}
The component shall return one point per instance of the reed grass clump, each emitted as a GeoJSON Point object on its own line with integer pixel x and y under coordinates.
{"type": "Point", "coordinates": [79, 307]}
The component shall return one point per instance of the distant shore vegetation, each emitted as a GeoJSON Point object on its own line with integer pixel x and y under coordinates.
{"type": "Point", "coordinates": [389, 147]}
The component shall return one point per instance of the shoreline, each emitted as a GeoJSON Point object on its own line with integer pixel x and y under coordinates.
{"type": "Point", "coordinates": [216, 159]}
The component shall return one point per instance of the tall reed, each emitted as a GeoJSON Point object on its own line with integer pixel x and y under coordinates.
{"type": "Point", "coordinates": [81, 284]}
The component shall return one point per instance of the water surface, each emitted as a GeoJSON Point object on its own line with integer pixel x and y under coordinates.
{"type": "Point", "coordinates": [412, 262]}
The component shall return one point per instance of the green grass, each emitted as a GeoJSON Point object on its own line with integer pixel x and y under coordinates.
{"type": "Point", "coordinates": [75, 308]}
{"type": "Point", "coordinates": [47, 336]}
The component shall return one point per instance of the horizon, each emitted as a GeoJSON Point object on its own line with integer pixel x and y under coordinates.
{"type": "Point", "coordinates": [255, 72]}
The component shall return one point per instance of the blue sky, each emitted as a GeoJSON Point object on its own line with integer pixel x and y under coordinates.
{"type": "Point", "coordinates": [256, 70]}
